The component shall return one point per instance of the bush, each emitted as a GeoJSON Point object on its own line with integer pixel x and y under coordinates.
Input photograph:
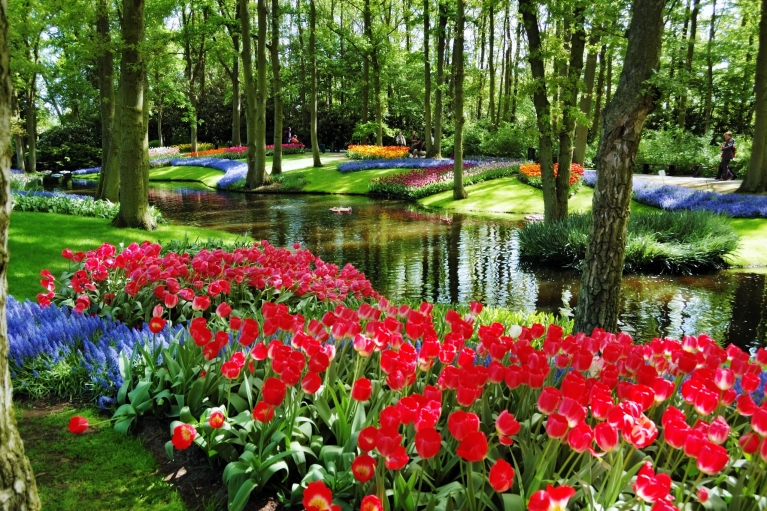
{"type": "Point", "coordinates": [292, 181]}
{"type": "Point", "coordinates": [685, 242]}
{"type": "Point", "coordinates": [69, 146]}
{"type": "Point", "coordinates": [201, 146]}
{"type": "Point", "coordinates": [154, 143]}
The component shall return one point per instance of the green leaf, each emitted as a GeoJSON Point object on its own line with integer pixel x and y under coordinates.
{"type": "Point", "coordinates": [169, 449]}
{"type": "Point", "coordinates": [242, 496]}
{"type": "Point", "coordinates": [513, 502]}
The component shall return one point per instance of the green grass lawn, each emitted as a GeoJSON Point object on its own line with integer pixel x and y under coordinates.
{"type": "Point", "coordinates": [328, 180]}
{"type": "Point", "coordinates": [206, 176]}
{"type": "Point", "coordinates": [100, 469]}
{"type": "Point", "coordinates": [37, 239]}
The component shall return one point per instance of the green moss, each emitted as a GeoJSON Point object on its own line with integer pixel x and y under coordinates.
{"type": "Point", "coordinates": [36, 240]}
{"type": "Point", "coordinates": [100, 468]}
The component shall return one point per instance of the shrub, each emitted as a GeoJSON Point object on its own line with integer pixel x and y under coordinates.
{"type": "Point", "coordinates": [69, 204]}
{"type": "Point", "coordinates": [69, 146]}
{"type": "Point", "coordinates": [287, 149]}
{"type": "Point", "coordinates": [665, 242]}
{"type": "Point", "coordinates": [187, 148]}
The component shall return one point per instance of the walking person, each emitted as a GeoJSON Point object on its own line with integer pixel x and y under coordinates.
{"type": "Point", "coordinates": [400, 139]}
{"type": "Point", "coordinates": [728, 153]}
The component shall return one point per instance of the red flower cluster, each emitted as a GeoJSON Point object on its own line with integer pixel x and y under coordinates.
{"type": "Point", "coordinates": [534, 170]}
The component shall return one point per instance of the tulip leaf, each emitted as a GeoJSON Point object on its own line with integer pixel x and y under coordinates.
{"type": "Point", "coordinates": [186, 416]}
{"type": "Point", "coordinates": [169, 449]}
{"type": "Point", "coordinates": [242, 496]}
{"type": "Point", "coordinates": [272, 469]}
{"type": "Point", "coordinates": [513, 502]}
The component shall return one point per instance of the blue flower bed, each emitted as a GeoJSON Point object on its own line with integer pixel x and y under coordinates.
{"type": "Point", "coordinates": [83, 172]}
{"type": "Point", "coordinates": [41, 338]}
{"type": "Point", "coordinates": [401, 163]}
{"type": "Point", "coordinates": [675, 198]}
{"type": "Point", "coordinates": [16, 171]}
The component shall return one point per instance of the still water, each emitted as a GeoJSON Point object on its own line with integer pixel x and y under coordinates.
{"type": "Point", "coordinates": [409, 252]}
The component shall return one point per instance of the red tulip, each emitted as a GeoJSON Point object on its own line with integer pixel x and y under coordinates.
{"type": "Point", "coordinates": [263, 412]}
{"type": "Point", "coordinates": [200, 303]}
{"type": "Point", "coordinates": [706, 401]}
{"type": "Point", "coordinates": [390, 417]}
{"type": "Point", "coordinates": [367, 438]}
{"type": "Point", "coordinates": [183, 436]}
{"type": "Point", "coordinates": [551, 499]}
{"type": "Point", "coordinates": [216, 419]}
{"type": "Point", "coordinates": [317, 497]}
{"type": "Point", "coordinates": [749, 443]}
{"type": "Point", "coordinates": [694, 442]}
{"type": "Point", "coordinates": [749, 382]}
{"type": "Point", "coordinates": [273, 391]}
{"type": "Point", "coordinates": [319, 362]}
{"type": "Point", "coordinates": [571, 410]}
{"type": "Point", "coordinates": [473, 447]}
{"type": "Point", "coordinates": [363, 468]}
{"type": "Point", "coordinates": [672, 414]}
{"type": "Point", "coordinates": [606, 436]}
{"type": "Point", "coordinates": [428, 442]}
{"type": "Point", "coordinates": [702, 495]}
{"type": "Point", "coordinates": [675, 433]}
{"type": "Point", "coordinates": [311, 383]}
{"type": "Point", "coordinates": [398, 459]}
{"type": "Point", "coordinates": [78, 424]}
{"type": "Point", "coordinates": [650, 487]}
{"type": "Point", "coordinates": [501, 476]}
{"type": "Point", "coordinates": [579, 438]}
{"type": "Point", "coordinates": [230, 370]}
{"type": "Point", "coordinates": [548, 400]}
{"type": "Point", "coordinates": [249, 332]}
{"type": "Point", "coordinates": [712, 459]}
{"type": "Point", "coordinates": [506, 424]}
{"type": "Point", "coordinates": [556, 425]}
{"type": "Point", "coordinates": [371, 503]}
{"type": "Point", "coordinates": [724, 378]}
{"type": "Point", "coordinates": [763, 451]}
{"type": "Point", "coordinates": [746, 406]}
{"type": "Point", "coordinates": [719, 431]}
{"type": "Point", "coordinates": [759, 422]}
{"type": "Point", "coordinates": [641, 433]}
{"type": "Point", "coordinates": [461, 424]}
{"type": "Point", "coordinates": [663, 389]}
{"type": "Point", "coordinates": [223, 310]}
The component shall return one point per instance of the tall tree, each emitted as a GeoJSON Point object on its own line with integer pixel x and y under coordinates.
{"type": "Point", "coordinates": [109, 179]}
{"type": "Point", "coordinates": [708, 104]}
{"type": "Point", "coordinates": [313, 105]}
{"type": "Point", "coordinates": [458, 190]}
{"type": "Point", "coordinates": [233, 29]}
{"type": "Point", "coordinates": [600, 91]}
{"type": "Point", "coordinates": [18, 489]}
{"type": "Point", "coordinates": [755, 180]}
{"type": "Point", "coordinates": [682, 119]}
{"type": "Point", "coordinates": [427, 79]}
{"type": "Point", "coordinates": [134, 122]}
{"type": "Point", "coordinates": [194, 39]}
{"type": "Point", "coordinates": [624, 117]}
{"type": "Point", "coordinates": [438, 100]}
{"type": "Point", "coordinates": [582, 129]}
{"type": "Point", "coordinates": [551, 210]}
{"type": "Point", "coordinates": [491, 60]}
{"type": "Point", "coordinates": [261, 91]}
{"type": "Point", "coordinates": [254, 178]}
{"type": "Point", "coordinates": [276, 89]}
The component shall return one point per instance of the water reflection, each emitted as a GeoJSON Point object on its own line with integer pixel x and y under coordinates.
{"type": "Point", "coordinates": [407, 252]}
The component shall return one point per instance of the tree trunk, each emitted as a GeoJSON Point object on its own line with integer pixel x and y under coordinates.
{"type": "Point", "coordinates": [159, 127]}
{"type": "Point", "coordinates": [236, 100]}
{"type": "Point", "coordinates": [600, 90]}
{"type": "Point", "coordinates": [277, 89]}
{"type": "Point", "coordinates": [755, 180]}
{"type": "Point", "coordinates": [542, 109]}
{"type": "Point", "coordinates": [31, 115]}
{"type": "Point", "coordinates": [441, 27]}
{"type": "Point", "coordinates": [19, 139]}
{"type": "Point", "coordinates": [134, 146]}
{"type": "Point", "coordinates": [366, 21]}
{"type": "Point", "coordinates": [313, 106]}
{"type": "Point", "coordinates": [682, 119]}
{"type": "Point", "coordinates": [254, 178]}
{"type": "Point", "coordinates": [109, 180]}
{"type": "Point", "coordinates": [507, 76]}
{"type": "Point", "coordinates": [599, 297]}
{"type": "Point", "coordinates": [481, 65]}
{"type": "Point", "coordinates": [569, 95]}
{"type": "Point", "coordinates": [18, 490]}
{"type": "Point", "coordinates": [582, 131]}
{"type": "Point", "coordinates": [261, 93]}
{"type": "Point", "coordinates": [427, 80]}
{"type": "Point", "coordinates": [302, 52]}
{"type": "Point", "coordinates": [373, 58]}
{"type": "Point", "coordinates": [516, 72]}
{"type": "Point", "coordinates": [491, 62]}
{"type": "Point", "coordinates": [458, 190]}
{"type": "Point", "coordinates": [708, 105]}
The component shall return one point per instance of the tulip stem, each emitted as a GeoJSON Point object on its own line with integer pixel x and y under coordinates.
{"type": "Point", "coordinates": [695, 485]}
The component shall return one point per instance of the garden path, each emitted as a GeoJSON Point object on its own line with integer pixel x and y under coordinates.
{"type": "Point", "coordinates": [706, 184]}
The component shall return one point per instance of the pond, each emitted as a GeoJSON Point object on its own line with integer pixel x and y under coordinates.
{"type": "Point", "coordinates": [409, 252]}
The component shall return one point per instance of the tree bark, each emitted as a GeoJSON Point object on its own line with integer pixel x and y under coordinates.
{"type": "Point", "coordinates": [542, 109]}
{"type": "Point", "coordinates": [313, 106]}
{"type": "Point", "coordinates": [569, 95]}
{"type": "Point", "coordinates": [134, 146]}
{"type": "Point", "coordinates": [682, 119]}
{"type": "Point", "coordinates": [458, 190]}
{"type": "Point", "coordinates": [481, 64]}
{"type": "Point", "coordinates": [19, 139]}
{"type": "Point", "coordinates": [491, 62]}
{"type": "Point", "coordinates": [277, 89]}
{"type": "Point", "coordinates": [159, 126]}
{"type": "Point", "coordinates": [31, 115]}
{"type": "Point", "coordinates": [374, 62]}
{"type": "Point", "coordinates": [427, 79]}
{"type": "Point", "coordinates": [582, 130]}
{"type": "Point", "coordinates": [236, 100]}
{"type": "Point", "coordinates": [755, 180]}
{"type": "Point", "coordinates": [261, 93]}
{"type": "Point", "coordinates": [441, 28]}
{"type": "Point", "coordinates": [599, 297]}
{"type": "Point", "coordinates": [254, 178]}
{"type": "Point", "coordinates": [600, 91]}
{"type": "Point", "coordinates": [109, 180]}
{"type": "Point", "coordinates": [708, 105]}
{"type": "Point", "coordinates": [516, 72]}
{"type": "Point", "coordinates": [18, 489]}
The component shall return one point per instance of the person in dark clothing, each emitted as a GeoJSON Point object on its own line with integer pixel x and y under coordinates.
{"type": "Point", "coordinates": [728, 153]}
{"type": "Point", "coordinates": [416, 144]}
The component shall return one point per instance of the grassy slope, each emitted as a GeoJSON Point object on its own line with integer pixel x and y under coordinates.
{"type": "Point", "coordinates": [208, 177]}
{"type": "Point", "coordinates": [328, 180]}
{"type": "Point", "coordinates": [100, 469]}
{"type": "Point", "coordinates": [509, 195]}
{"type": "Point", "coordinates": [37, 239]}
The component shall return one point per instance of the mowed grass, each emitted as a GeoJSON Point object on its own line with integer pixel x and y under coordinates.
{"type": "Point", "coordinates": [100, 469]}
{"type": "Point", "coordinates": [510, 196]}
{"type": "Point", "coordinates": [36, 240]}
{"type": "Point", "coordinates": [206, 176]}
{"type": "Point", "coordinates": [328, 180]}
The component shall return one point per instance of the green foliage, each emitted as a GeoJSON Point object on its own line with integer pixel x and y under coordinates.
{"type": "Point", "coordinates": [369, 129]}
{"type": "Point", "coordinates": [27, 182]}
{"type": "Point", "coordinates": [201, 146]}
{"type": "Point", "coordinates": [291, 181]}
{"type": "Point", "coordinates": [683, 242]}
{"type": "Point", "coordinates": [154, 143]}
{"type": "Point", "coordinates": [70, 146]}
{"type": "Point", "coordinates": [65, 205]}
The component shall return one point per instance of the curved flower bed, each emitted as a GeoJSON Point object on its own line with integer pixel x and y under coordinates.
{"type": "Point", "coordinates": [676, 198]}
{"type": "Point", "coordinates": [356, 402]}
{"type": "Point", "coordinates": [234, 170]}
{"type": "Point", "coordinates": [374, 152]}
{"type": "Point", "coordinates": [286, 149]}
{"type": "Point", "coordinates": [403, 163]}
{"type": "Point", "coordinates": [530, 173]}
{"type": "Point", "coordinates": [163, 151]}
{"type": "Point", "coordinates": [428, 181]}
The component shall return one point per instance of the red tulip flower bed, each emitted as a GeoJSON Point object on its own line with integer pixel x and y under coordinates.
{"type": "Point", "coordinates": [530, 173]}
{"type": "Point", "coordinates": [375, 406]}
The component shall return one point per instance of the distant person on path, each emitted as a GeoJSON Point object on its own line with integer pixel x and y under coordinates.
{"type": "Point", "coordinates": [400, 139]}
{"type": "Point", "coordinates": [288, 135]}
{"type": "Point", "coordinates": [728, 153]}
{"type": "Point", "coordinates": [415, 144]}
